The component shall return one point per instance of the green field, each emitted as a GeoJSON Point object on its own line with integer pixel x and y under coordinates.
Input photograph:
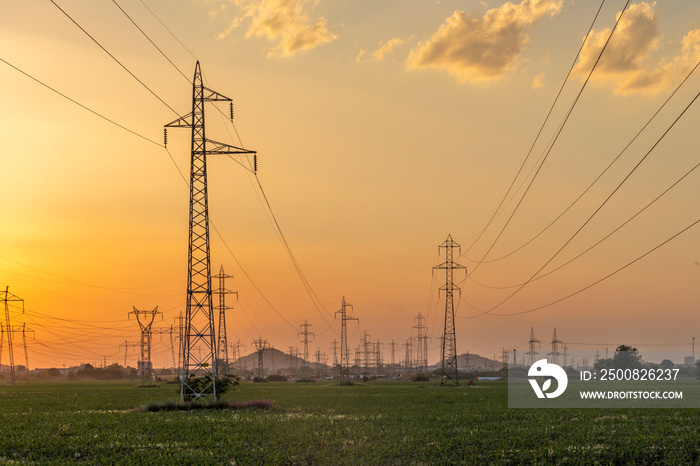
{"type": "Point", "coordinates": [324, 423]}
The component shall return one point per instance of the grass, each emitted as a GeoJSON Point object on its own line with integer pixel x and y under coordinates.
{"type": "Point", "coordinates": [326, 423]}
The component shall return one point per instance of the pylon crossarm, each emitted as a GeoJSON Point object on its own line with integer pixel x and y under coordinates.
{"type": "Point", "coordinates": [221, 148]}
{"type": "Point", "coordinates": [182, 122]}
{"type": "Point", "coordinates": [213, 96]}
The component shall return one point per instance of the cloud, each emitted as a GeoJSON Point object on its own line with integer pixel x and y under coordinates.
{"type": "Point", "coordinates": [386, 49]}
{"type": "Point", "coordinates": [481, 49]}
{"type": "Point", "coordinates": [626, 61]}
{"type": "Point", "coordinates": [284, 23]}
{"type": "Point", "coordinates": [538, 81]}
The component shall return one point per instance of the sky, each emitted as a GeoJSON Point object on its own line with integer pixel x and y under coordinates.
{"type": "Point", "coordinates": [381, 128]}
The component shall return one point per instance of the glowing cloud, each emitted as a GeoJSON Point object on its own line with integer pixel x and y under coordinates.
{"type": "Point", "coordinates": [386, 49]}
{"type": "Point", "coordinates": [481, 49]}
{"type": "Point", "coordinates": [538, 81]}
{"type": "Point", "coordinates": [625, 60]}
{"type": "Point", "coordinates": [284, 23]}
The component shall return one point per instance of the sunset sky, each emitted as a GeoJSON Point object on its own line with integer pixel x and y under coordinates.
{"type": "Point", "coordinates": [381, 127]}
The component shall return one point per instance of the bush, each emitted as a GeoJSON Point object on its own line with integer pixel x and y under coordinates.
{"type": "Point", "coordinates": [276, 378]}
{"type": "Point", "coordinates": [194, 385]}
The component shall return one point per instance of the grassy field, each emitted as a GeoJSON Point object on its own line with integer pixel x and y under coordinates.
{"type": "Point", "coordinates": [324, 423]}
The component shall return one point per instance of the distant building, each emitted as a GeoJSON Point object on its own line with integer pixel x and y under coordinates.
{"type": "Point", "coordinates": [688, 361]}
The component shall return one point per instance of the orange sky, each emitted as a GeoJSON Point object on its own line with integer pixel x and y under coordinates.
{"type": "Point", "coordinates": [380, 130]}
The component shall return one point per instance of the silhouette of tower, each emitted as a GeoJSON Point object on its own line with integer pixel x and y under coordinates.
{"type": "Point", "coordinates": [199, 356]}
{"type": "Point", "coordinates": [145, 320]}
{"type": "Point", "coordinates": [222, 342]}
{"type": "Point", "coordinates": [305, 334]}
{"type": "Point", "coordinates": [449, 341]}
{"type": "Point", "coordinates": [344, 353]}
{"type": "Point", "coordinates": [532, 353]}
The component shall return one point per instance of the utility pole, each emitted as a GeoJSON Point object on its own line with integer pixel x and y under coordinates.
{"type": "Point", "coordinates": [8, 297]}
{"type": "Point", "coordinates": [222, 343]}
{"type": "Point", "coordinates": [305, 334]}
{"type": "Point", "coordinates": [531, 344]}
{"type": "Point", "coordinates": [199, 313]}
{"type": "Point", "coordinates": [449, 342]}
{"type": "Point", "coordinates": [145, 320]}
{"type": "Point", "coordinates": [344, 353]}
{"type": "Point", "coordinates": [422, 339]}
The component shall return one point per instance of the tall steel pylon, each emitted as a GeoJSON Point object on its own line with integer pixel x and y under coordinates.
{"type": "Point", "coordinates": [449, 341]}
{"type": "Point", "coordinates": [145, 320]}
{"type": "Point", "coordinates": [199, 358]}
{"type": "Point", "coordinates": [422, 339]}
{"type": "Point", "coordinates": [260, 346]}
{"type": "Point", "coordinates": [344, 353]}
{"type": "Point", "coordinates": [8, 297]}
{"type": "Point", "coordinates": [531, 354]}
{"type": "Point", "coordinates": [556, 348]}
{"type": "Point", "coordinates": [305, 334]}
{"type": "Point", "coordinates": [222, 342]}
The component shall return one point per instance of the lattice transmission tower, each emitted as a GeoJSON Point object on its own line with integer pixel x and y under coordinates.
{"type": "Point", "coordinates": [449, 342]}
{"type": "Point", "coordinates": [260, 346]}
{"type": "Point", "coordinates": [222, 342]}
{"type": "Point", "coordinates": [8, 298]}
{"type": "Point", "coordinates": [305, 336]}
{"type": "Point", "coordinates": [199, 356]}
{"type": "Point", "coordinates": [145, 320]}
{"type": "Point", "coordinates": [344, 352]}
{"type": "Point", "coordinates": [422, 340]}
{"type": "Point", "coordinates": [557, 345]}
{"type": "Point", "coordinates": [532, 354]}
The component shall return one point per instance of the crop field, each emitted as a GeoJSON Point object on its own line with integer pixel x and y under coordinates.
{"type": "Point", "coordinates": [324, 423]}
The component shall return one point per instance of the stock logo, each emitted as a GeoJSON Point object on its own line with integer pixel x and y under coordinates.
{"type": "Point", "coordinates": [544, 369]}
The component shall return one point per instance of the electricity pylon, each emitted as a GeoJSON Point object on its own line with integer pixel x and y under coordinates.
{"type": "Point", "coordinates": [305, 334]}
{"type": "Point", "coordinates": [199, 344]}
{"type": "Point", "coordinates": [344, 353]}
{"type": "Point", "coordinates": [222, 343]}
{"type": "Point", "coordinates": [260, 346]}
{"type": "Point", "coordinates": [8, 297]}
{"type": "Point", "coordinates": [422, 339]}
{"type": "Point", "coordinates": [531, 344]}
{"type": "Point", "coordinates": [145, 320]}
{"type": "Point", "coordinates": [449, 342]}
{"type": "Point", "coordinates": [126, 345]}
{"type": "Point", "coordinates": [556, 347]}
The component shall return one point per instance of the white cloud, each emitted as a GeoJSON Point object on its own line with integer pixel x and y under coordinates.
{"type": "Point", "coordinates": [626, 62]}
{"type": "Point", "coordinates": [481, 49]}
{"type": "Point", "coordinates": [284, 23]}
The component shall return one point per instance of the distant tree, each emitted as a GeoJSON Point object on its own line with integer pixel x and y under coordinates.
{"type": "Point", "coordinates": [21, 368]}
{"type": "Point", "coordinates": [53, 373]}
{"type": "Point", "coordinates": [626, 357]}
{"type": "Point", "coordinates": [666, 364]}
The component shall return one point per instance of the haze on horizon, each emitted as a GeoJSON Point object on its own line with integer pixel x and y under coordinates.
{"type": "Point", "coordinates": [380, 130]}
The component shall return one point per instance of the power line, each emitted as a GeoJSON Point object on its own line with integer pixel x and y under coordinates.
{"type": "Point", "coordinates": [604, 171]}
{"type": "Point", "coordinates": [149, 40]}
{"type": "Point", "coordinates": [79, 104]}
{"type": "Point", "coordinates": [555, 138]}
{"type": "Point", "coordinates": [114, 58]}
{"type": "Point", "coordinates": [167, 29]}
{"type": "Point", "coordinates": [602, 204]}
{"type": "Point", "coordinates": [539, 133]}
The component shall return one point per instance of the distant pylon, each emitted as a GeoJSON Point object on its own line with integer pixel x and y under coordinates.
{"type": "Point", "coordinates": [344, 353]}
{"type": "Point", "coordinates": [199, 358]}
{"type": "Point", "coordinates": [222, 342]}
{"type": "Point", "coordinates": [556, 347]}
{"type": "Point", "coordinates": [8, 297]}
{"type": "Point", "coordinates": [422, 340]}
{"type": "Point", "coordinates": [449, 343]}
{"type": "Point", "coordinates": [305, 334]}
{"type": "Point", "coordinates": [260, 346]}
{"type": "Point", "coordinates": [531, 354]}
{"type": "Point", "coordinates": [145, 320]}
